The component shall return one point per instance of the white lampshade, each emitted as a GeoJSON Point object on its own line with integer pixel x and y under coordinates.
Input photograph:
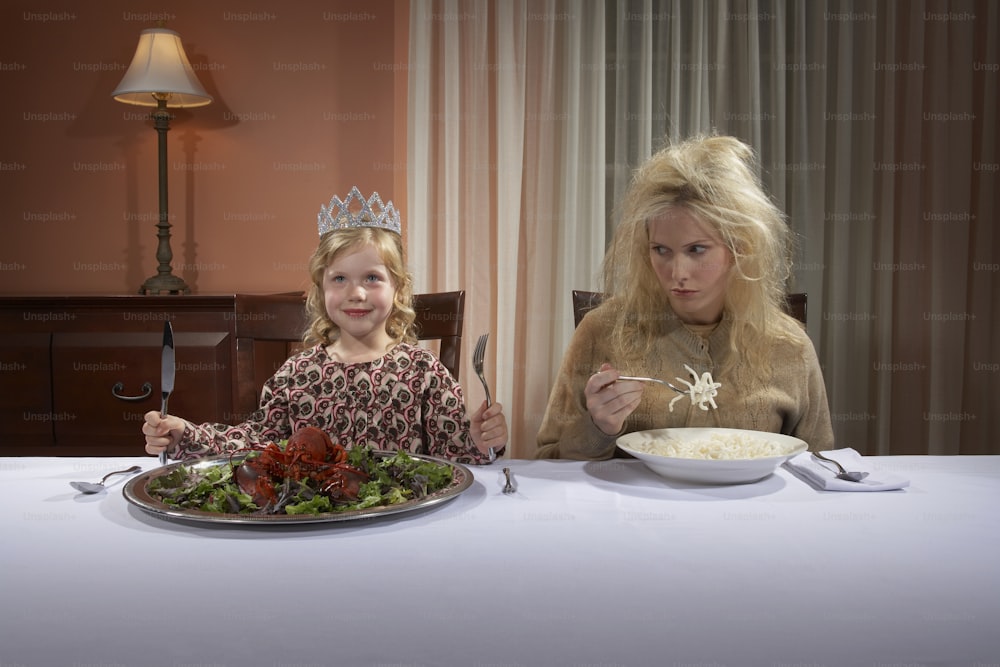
{"type": "Point", "coordinates": [161, 66]}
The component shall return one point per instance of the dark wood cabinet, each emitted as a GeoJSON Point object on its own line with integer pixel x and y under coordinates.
{"type": "Point", "coordinates": [77, 374]}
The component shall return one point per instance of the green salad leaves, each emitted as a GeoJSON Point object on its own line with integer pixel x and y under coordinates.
{"type": "Point", "coordinates": [393, 478]}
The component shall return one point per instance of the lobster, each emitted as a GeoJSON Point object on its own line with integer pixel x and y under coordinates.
{"type": "Point", "coordinates": [308, 453]}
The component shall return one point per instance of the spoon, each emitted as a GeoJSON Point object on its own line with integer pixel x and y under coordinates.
{"type": "Point", "coordinates": [97, 487]}
{"type": "Point", "coordinates": [843, 474]}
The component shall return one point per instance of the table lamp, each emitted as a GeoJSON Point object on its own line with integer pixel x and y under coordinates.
{"type": "Point", "coordinates": [161, 76]}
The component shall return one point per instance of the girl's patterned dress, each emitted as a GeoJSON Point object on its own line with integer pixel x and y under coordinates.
{"type": "Point", "coordinates": [404, 400]}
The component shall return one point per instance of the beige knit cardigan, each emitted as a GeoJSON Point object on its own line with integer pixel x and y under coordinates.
{"type": "Point", "coordinates": [792, 402]}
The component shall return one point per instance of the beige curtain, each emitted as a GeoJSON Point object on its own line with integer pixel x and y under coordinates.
{"type": "Point", "coordinates": [506, 186]}
{"type": "Point", "coordinates": [876, 126]}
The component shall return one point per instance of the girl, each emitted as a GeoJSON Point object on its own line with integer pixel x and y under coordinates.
{"type": "Point", "coordinates": [695, 277]}
{"type": "Point", "coordinates": [361, 378]}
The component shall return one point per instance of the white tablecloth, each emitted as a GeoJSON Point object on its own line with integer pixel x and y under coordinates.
{"type": "Point", "coordinates": [588, 564]}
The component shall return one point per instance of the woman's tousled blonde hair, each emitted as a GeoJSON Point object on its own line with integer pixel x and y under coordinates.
{"type": "Point", "coordinates": [715, 179]}
{"type": "Point", "coordinates": [389, 245]}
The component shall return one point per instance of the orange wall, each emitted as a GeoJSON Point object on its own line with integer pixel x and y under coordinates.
{"type": "Point", "coordinates": [309, 100]}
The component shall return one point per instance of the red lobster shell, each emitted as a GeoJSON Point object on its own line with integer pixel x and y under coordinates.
{"type": "Point", "coordinates": [309, 453]}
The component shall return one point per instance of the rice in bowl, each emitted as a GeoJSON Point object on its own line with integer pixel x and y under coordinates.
{"type": "Point", "coordinates": [717, 446]}
{"type": "Point", "coordinates": [711, 455]}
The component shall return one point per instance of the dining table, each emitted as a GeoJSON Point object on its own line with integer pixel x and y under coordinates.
{"type": "Point", "coordinates": [585, 564]}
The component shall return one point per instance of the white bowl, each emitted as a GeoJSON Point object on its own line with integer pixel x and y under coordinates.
{"type": "Point", "coordinates": [705, 470]}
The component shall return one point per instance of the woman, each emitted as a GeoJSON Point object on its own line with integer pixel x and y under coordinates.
{"type": "Point", "coordinates": [694, 279]}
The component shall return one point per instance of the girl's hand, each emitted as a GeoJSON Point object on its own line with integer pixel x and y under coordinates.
{"type": "Point", "coordinates": [610, 401]}
{"type": "Point", "coordinates": [162, 434]}
{"type": "Point", "coordinates": [489, 427]}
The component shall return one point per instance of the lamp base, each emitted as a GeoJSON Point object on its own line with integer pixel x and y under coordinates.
{"type": "Point", "coordinates": [164, 283]}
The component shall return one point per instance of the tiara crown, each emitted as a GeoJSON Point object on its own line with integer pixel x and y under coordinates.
{"type": "Point", "coordinates": [354, 211]}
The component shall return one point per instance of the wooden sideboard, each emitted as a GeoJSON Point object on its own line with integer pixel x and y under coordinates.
{"type": "Point", "coordinates": [77, 373]}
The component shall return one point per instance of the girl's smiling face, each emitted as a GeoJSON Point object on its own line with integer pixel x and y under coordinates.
{"type": "Point", "coordinates": [359, 293]}
{"type": "Point", "coordinates": [692, 264]}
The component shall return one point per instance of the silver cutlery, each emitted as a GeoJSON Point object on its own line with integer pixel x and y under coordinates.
{"type": "Point", "coordinates": [508, 485]}
{"type": "Point", "coordinates": [97, 487]}
{"type": "Point", "coordinates": [634, 378]}
{"type": "Point", "coordinates": [478, 354]}
{"type": "Point", "coordinates": [167, 369]}
{"type": "Point", "coordinates": [853, 476]}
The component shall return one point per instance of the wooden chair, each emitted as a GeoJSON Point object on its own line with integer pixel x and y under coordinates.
{"type": "Point", "coordinates": [584, 302]}
{"type": "Point", "coordinates": [441, 317]}
{"type": "Point", "coordinates": [795, 305]}
{"type": "Point", "coordinates": [269, 329]}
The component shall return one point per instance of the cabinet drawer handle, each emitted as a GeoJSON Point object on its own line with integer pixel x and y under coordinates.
{"type": "Point", "coordinates": [147, 390]}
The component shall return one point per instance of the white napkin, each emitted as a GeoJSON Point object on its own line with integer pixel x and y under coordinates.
{"type": "Point", "coordinates": [822, 476]}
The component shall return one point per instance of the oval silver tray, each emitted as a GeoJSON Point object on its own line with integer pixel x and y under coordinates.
{"type": "Point", "coordinates": [136, 493]}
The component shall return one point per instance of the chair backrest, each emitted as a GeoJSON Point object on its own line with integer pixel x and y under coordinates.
{"type": "Point", "coordinates": [795, 305]}
{"type": "Point", "coordinates": [584, 302]}
{"type": "Point", "coordinates": [269, 329]}
{"type": "Point", "coordinates": [441, 317]}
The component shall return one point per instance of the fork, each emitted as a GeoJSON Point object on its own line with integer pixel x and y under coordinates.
{"type": "Point", "coordinates": [645, 379]}
{"type": "Point", "coordinates": [477, 364]}
{"type": "Point", "coordinates": [850, 476]}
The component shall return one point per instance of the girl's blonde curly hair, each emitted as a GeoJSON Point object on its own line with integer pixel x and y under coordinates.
{"type": "Point", "coordinates": [389, 245]}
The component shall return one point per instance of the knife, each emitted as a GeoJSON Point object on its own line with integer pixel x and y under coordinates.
{"type": "Point", "coordinates": [167, 368]}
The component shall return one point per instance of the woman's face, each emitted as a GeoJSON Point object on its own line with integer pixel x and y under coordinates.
{"type": "Point", "coordinates": [358, 292]}
{"type": "Point", "coordinates": [691, 263]}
